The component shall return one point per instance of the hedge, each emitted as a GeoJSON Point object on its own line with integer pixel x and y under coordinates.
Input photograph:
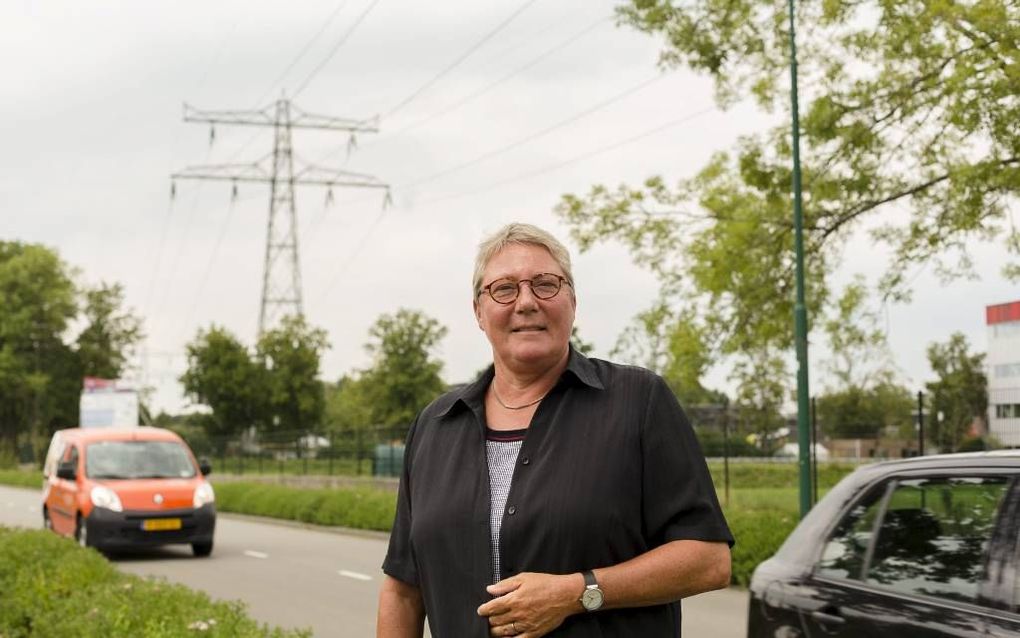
{"type": "Point", "coordinates": [52, 587]}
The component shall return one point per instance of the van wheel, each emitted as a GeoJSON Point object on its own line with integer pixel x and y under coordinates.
{"type": "Point", "coordinates": [81, 532]}
{"type": "Point", "coordinates": [46, 522]}
{"type": "Point", "coordinates": [202, 549]}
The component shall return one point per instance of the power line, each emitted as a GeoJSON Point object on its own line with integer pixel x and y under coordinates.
{"type": "Point", "coordinates": [343, 39]}
{"type": "Point", "coordinates": [301, 54]}
{"type": "Point", "coordinates": [523, 176]}
{"type": "Point", "coordinates": [541, 133]}
{"type": "Point", "coordinates": [492, 85]}
{"type": "Point", "coordinates": [530, 138]}
{"type": "Point", "coordinates": [553, 167]}
{"type": "Point", "coordinates": [488, 36]}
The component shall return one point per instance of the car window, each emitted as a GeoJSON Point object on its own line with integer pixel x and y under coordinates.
{"type": "Point", "coordinates": [138, 459]}
{"type": "Point", "coordinates": [845, 551]}
{"type": "Point", "coordinates": [934, 535]}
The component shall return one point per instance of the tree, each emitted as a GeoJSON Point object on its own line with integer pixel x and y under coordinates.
{"type": "Point", "coordinates": [290, 356]}
{"type": "Point", "coordinates": [857, 412]}
{"type": "Point", "coordinates": [584, 347]}
{"type": "Point", "coordinates": [222, 375]}
{"type": "Point", "coordinates": [404, 376]}
{"type": "Point", "coordinates": [37, 297]}
{"type": "Point", "coordinates": [959, 395]}
{"type": "Point", "coordinates": [865, 398]}
{"type": "Point", "coordinates": [673, 345]}
{"type": "Point", "coordinates": [105, 345]}
{"type": "Point", "coordinates": [918, 138]}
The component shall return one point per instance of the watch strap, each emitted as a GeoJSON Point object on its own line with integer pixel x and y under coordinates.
{"type": "Point", "coordinates": [589, 578]}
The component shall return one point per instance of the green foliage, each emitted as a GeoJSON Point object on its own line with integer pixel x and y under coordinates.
{"type": "Point", "coordinates": [757, 476]}
{"type": "Point", "coordinates": [21, 478]}
{"type": "Point", "coordinates": [915, 142]}
{"type": "Point", "coordinates": [52, 587]}
{"type": "Point", "coordinates": [106, 342]}
{"type": "Point", "coordinates": [223, 376]}
{"type": "Point", "coordinates": [959, 395]}
{"type": "Point", "coordinates": [924, 119]}
{"type": "Point", "coordinates": [758, 533]}
{"type": "Point", "coordinates": [403, 379]}
{"type": "Point", "coordinates": [37, 296]}
{"type": "Point", "coordinates": [356, 508]}
{"type": "Point", "coordinates": [584, 347]}
{"type": "Point", "coordinates": [861, 413]}
{"type": "Point", "coordinates": [290, 356]}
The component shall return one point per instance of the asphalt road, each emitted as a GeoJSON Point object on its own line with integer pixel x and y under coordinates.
{"type": "Point", "coordinates": [292, 576]}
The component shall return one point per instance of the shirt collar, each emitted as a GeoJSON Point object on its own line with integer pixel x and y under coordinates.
{"type": "Point", "coordinates": [472, 395]}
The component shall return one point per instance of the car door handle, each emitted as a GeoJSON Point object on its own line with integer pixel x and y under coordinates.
{"type": "Point", "coordinates": [830, 616]}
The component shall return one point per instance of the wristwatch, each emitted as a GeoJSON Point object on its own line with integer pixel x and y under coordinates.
{"type": "Point", "coordinates": [591, 597]}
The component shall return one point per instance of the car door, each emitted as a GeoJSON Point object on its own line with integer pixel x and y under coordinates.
{"type": "Point", "coordinates": [62, 502]}
{"type": "Point", "coordinates": [909, 561]}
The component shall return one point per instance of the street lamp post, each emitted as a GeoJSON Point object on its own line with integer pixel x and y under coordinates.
{"type": "Point", "coordinates": [800, 309]}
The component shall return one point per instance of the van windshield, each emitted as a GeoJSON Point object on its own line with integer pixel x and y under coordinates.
{"type": "Point", "coordinates": [137, 459]}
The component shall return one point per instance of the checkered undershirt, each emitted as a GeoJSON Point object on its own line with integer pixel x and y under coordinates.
{"type": "Point", "coordinates": [502, 448]}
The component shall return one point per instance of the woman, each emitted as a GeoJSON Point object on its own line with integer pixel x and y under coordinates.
{"type": "Point", "coordinates": [557, 495]}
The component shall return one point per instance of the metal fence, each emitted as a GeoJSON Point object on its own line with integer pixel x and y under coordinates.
{"type": "Point", "coordinates": [375, 451]}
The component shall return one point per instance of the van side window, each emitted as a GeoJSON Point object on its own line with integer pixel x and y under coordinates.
{"type": "Point", "coordinates": [72, 456]}
{"type": "Point", "coordinates": [934, 536]}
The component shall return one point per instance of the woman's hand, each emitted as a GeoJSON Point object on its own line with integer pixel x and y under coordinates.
{"type": "Point", "coordinates": [531, 605]}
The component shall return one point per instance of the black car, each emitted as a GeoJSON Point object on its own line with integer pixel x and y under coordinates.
{"type": "Point", "coordinates": [922, 547]}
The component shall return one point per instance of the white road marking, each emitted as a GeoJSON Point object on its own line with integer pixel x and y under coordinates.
{"type": "Point", "coordinates": [255, 554]}
{"type": "Point", "coordinates": [354, 575]}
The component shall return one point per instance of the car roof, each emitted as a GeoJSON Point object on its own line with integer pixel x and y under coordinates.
{"type": "Point", "coordinates": [993, 458]}
{"type": "Point", "coordinates": [140, 433]}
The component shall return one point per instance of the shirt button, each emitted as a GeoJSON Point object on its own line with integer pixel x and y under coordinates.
{"type": "Point", "coordinates": [511, 510]}
{"type": "Point", "coordinates": [525, 461]}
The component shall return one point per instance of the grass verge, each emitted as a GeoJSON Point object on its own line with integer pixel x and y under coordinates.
{"type": "Point", "coordinates": [52, 587]}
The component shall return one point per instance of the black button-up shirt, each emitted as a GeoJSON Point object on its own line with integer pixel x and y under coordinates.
{"type": "Point", "coordinates": [610, 468]}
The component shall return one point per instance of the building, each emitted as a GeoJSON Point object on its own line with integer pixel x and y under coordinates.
{"type": "Point", "coordinates": [1003, 362]}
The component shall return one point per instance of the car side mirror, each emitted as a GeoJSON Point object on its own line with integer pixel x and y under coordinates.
{"type": "Point", "coordinates": [66, 471]}
{"type": "Point", "coordinates": [204, 467]}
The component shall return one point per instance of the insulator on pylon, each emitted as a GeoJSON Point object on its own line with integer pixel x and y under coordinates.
{"type": "Point", "coordinates": [212, 135]}
{"type": "Point", "coordinates": [233, 192]}
{"type": "Point", "coordinates": [329, 196]}
{"type": "Point", "coordinates": [173, 189]}
{"type": "Point", "coordinates": [388, 200]}
{"type": "Point", "coordinates": [352, 143]}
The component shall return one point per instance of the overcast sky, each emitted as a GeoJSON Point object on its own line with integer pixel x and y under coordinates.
{"type": "Point", "coordinates": [92, 128]}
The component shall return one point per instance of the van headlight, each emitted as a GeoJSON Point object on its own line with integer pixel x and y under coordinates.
{"type": "Point", "coordinates": [106, 498]}
{"type": "Point", "coordinates": [204, 495]}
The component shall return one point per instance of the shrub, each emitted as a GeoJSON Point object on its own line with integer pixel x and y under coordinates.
{"type": "Point", "coordinates": [52, 587]}
{"type": "Point", "coordinates": [758, 533]}
{"type": "Point", "coordinates": [359, 508]}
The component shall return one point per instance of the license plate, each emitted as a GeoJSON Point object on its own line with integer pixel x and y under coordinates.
{"type": "Point", "coordinates": [161, 524]}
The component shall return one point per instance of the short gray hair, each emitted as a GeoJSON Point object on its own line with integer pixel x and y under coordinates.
{"type": "Point", "coordinates": [517, 233]}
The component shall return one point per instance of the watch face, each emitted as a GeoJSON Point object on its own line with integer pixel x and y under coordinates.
{"type": "Point", "coordinates": [591, 599]}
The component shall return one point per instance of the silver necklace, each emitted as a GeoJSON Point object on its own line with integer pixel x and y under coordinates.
{"type": "Point", "coordinates": [514, 407]}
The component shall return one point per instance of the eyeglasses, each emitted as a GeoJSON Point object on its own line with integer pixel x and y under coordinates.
{"type": "Point", "coordinates": [544, 286]}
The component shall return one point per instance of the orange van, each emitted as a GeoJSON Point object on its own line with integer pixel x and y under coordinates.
{"type": "Point", "coordinates": [115, 488]}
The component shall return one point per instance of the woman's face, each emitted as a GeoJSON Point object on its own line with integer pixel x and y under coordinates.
{"type": "Point", "coordinates": [528, 332]}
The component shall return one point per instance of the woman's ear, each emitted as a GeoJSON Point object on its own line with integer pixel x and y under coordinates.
{"type": "Point", "coordinates": [478, 313]}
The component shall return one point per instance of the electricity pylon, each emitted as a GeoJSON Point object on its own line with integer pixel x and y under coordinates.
{"type": "Point", "coordinates": [281, 277]}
